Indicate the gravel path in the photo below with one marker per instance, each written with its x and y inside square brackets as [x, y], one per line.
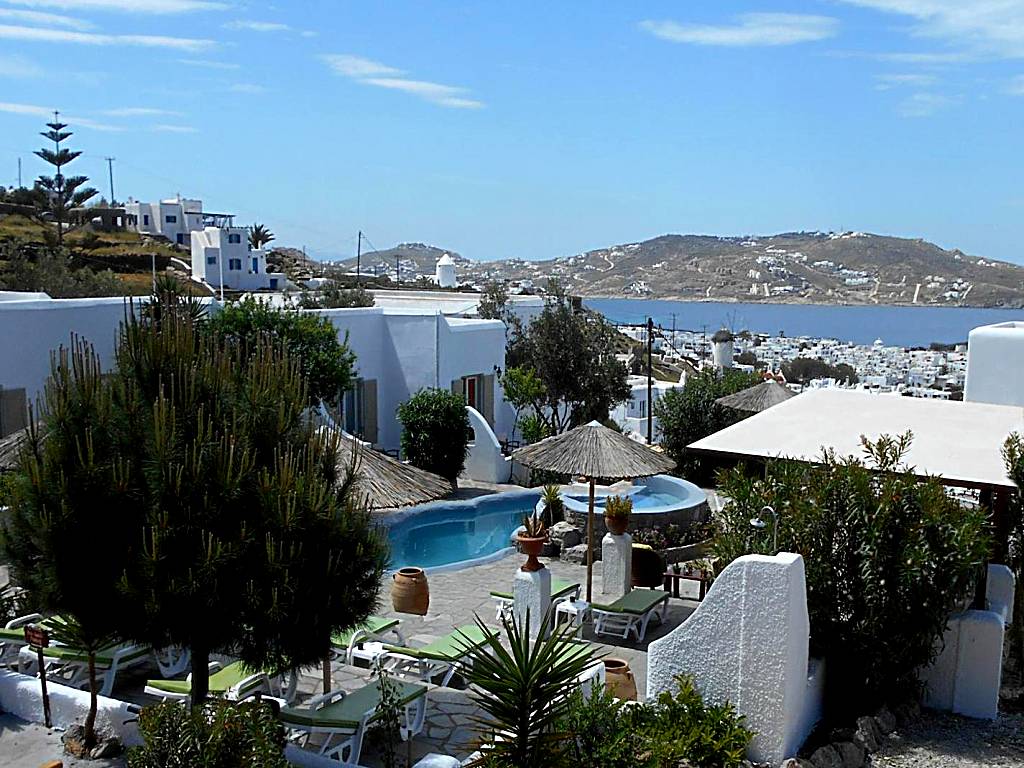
[942, 740]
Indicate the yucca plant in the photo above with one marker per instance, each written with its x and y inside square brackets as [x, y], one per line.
[534, 527]
[554, 507]
[524, 685]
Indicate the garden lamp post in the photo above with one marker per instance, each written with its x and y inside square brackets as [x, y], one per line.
[760, 524]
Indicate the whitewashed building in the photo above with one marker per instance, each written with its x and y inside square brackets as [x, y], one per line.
[175, 218]
[631, 415]
[995, 364]
[444, 272]
[221, 256]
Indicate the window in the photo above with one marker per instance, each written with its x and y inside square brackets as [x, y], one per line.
[470, 391]
[145, 219]
[235, 264]
[352, 407]
[169, 219]
[181, 239]
[234, 238]
[256, 266]
[211, 259]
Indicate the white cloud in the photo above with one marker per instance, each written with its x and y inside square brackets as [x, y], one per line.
[370, 72]
[168, 128]
[19, 67]
[138, 112]
[991, 27]
[209, 64]
[751, 29]
[257, 26]
[356, 66]
[913, 80]
[73, 121]
[924, 104]
[35, 34]
[133, 6]
[44, 19]
[251, 88]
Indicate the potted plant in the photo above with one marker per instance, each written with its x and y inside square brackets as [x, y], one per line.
[617, 510]
[531, 542]
[554, 507]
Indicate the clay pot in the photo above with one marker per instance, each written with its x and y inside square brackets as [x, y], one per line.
[410, 592]
[531, 547]
[616, 525]
[618, 679]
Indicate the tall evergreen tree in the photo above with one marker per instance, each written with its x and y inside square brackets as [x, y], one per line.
[70, 529]
[64, 192]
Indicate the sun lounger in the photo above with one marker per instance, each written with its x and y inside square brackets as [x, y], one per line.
[340, 719]
[560, 591]
[70, 666]
[235, 681]
[374, 628]
[630, 613]
[441, 657]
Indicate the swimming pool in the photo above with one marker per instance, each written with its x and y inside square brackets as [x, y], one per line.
[447, 533]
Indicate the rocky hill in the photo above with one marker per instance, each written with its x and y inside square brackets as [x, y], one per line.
[794, 267]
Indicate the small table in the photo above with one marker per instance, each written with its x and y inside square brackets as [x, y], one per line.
[575, 612]
[369, 652]
[672, 580]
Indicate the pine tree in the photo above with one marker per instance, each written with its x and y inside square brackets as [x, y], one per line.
[64, 192]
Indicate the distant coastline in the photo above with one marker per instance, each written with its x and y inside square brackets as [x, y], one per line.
[899, 325]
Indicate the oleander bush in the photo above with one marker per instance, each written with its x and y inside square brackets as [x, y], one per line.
[677, 729]
[218, 734]
[887, 557]
[436, 432]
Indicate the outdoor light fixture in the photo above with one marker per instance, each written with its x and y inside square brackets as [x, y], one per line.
[760, 524]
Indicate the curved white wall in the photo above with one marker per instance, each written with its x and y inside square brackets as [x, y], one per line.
[485, 461]
[995, 364]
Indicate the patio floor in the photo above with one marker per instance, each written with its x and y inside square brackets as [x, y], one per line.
[455, 598]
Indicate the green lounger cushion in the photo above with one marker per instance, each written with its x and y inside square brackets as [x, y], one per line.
[104, 658]
[220, 681]
[12, 635]
[636, 601]
[375, 625]
[451, 647]
[349, 711]
[559, 588]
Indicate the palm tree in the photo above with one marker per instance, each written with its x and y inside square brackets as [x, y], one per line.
[259, 236]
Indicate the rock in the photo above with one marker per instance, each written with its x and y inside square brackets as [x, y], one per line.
[551, 549]
[867, 734]
[106, 748]
[853, 755]
[565, 534]
[907, 712]
[796, 762]
[578, 554]
[826, 757]
[841, 734]
[885, 720]
[74, 741]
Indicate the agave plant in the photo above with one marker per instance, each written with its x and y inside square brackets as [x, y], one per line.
[554, 507]
[524, 685]
[534, 527]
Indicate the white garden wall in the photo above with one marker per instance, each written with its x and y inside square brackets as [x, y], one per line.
[747, 644]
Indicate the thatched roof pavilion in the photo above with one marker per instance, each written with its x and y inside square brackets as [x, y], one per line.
[757, 398]
[10, 446]
[385, 482]
[594, 451]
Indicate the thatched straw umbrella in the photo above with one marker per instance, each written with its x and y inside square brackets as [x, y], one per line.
[593, 451]
[387, 483]
[10, 448]
[757, 398]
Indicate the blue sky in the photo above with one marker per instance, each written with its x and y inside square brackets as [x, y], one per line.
[538, 129]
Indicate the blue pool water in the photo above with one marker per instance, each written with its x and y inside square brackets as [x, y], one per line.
[449, 532]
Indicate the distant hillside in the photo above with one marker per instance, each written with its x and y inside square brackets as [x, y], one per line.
[793, 267]
[414, 259]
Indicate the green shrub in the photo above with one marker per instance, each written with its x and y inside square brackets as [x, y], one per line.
[672, 535]
[618, 507]
[677, 729]
[435, 432]
[218, 734]
[887, 557]
[688, 414]
[533, 428]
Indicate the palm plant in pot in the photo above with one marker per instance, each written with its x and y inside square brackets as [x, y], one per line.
[554, 507]
[531, 542]
[617, 510]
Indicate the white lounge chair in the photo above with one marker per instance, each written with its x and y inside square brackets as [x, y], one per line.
[373, 629]
[630, 613]
[70, 666]
[336, 722]
[560, 592]
[234, 681]
[441, 657]
[12, 637]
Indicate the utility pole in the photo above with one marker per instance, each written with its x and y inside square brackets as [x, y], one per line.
[650, 402]
[359, 255]
[19, 173]
[110, 171]
[398, 269]
[704, 341]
